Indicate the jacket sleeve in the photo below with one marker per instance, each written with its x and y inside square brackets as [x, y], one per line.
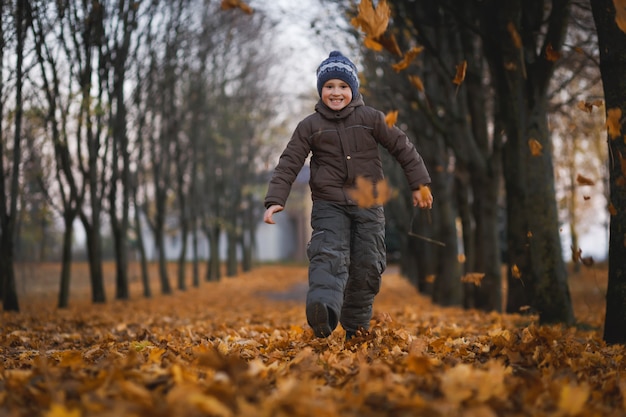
[289, 165]
[400, 147]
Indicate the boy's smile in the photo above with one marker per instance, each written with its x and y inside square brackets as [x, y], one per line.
[336, 94]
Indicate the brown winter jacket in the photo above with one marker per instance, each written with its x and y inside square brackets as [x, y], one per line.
[344, 146]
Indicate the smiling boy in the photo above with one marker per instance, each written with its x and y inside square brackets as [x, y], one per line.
[347, 247]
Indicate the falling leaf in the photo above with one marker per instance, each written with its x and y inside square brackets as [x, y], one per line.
[391, 118]
[461, 258]
[516, 272]
[390, 44]
[417, 82]
[581, 180]
[588, 106]
[372, 20]
[460, 73]
[409, 56]
[620, 14]
[535, 147]
[367, 194]
[551, 54]
[430, 278]
[613, 122]
[517, 39]
[612, 209]
[473, 278]
[586, 197]
[236, 4]
[372, 44]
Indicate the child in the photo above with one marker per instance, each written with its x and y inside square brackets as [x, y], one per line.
[347, 247]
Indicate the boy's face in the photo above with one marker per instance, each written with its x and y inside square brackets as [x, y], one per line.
[336, 94]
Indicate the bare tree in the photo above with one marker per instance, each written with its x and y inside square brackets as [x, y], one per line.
[70, 192]
[10, 166]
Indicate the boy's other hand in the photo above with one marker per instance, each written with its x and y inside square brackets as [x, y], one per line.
[423, 197]
[267, 217]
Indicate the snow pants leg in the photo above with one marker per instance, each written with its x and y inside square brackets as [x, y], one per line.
[346, 259]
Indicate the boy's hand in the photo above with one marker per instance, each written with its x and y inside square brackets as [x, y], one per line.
[423, 198]
[267, 217]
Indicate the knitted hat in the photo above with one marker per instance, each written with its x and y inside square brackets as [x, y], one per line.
[337, 66]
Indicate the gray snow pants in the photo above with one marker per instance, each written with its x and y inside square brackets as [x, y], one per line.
[346, 259]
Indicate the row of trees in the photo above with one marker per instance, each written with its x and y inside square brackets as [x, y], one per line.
[124, 113]
[489, 142]
[150, 110]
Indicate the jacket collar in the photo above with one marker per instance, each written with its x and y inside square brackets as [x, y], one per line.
[330, 114]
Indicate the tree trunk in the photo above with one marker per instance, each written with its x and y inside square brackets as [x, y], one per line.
[160, 246]
[612, 46]
[145, 277]
[537, 275]
[94, 254]
[8, 210]
[213, 271]
[66, 262]
[231, 257]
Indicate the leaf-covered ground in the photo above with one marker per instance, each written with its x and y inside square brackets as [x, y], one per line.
[241, 347]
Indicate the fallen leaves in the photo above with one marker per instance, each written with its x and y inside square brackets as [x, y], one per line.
[232, 349]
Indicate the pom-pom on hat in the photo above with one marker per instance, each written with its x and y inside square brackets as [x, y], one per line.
[337, 66]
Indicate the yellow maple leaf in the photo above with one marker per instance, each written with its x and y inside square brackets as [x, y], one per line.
[372, 20]
[620, 14]
[613, 122]
[372, 44]
[367, 194]
[59, 410]
[391, 118]
[409, 56]
[535, 147]
[460, 73]
[573, 398]
[236, 4]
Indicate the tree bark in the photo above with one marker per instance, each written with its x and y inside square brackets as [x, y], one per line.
[8, 210]
[537, 275]
[612, 46]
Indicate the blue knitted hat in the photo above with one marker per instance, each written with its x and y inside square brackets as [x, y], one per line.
[337, 66]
